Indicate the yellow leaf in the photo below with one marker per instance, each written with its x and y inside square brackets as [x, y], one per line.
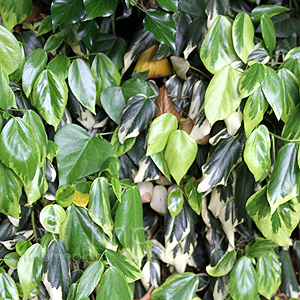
[81, 199]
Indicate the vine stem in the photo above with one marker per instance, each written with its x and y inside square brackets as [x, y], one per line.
[274, 150]
[284, 139]
[33, 226]
[200, 72]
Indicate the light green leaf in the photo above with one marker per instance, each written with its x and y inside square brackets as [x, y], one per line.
[195, 200]
[89, 279]
[59, 65]
[243, 284]
[30, 267]
[180, 153]
[52, 150]
[283, 184]
[113, 286]
[7, 97]
[269, 10]
[11, 259]
[105, 73]
[277, 226]
[113, 102]
[51, 217]
[160, 161]
[177, 287]
[217, 49]
[56, 271]
[291, 128]
[254, 110]
[65, 195]
[222, 97]
[127, 267]
[224, 265]
[90, 241]
[268, 274]
[10, 51]
[34, 65]
[121, 148]
[175, 202]
[99, 205]
[243, 35]
[77, 156]
[273, 91]
[9, 288]
[257, 152]
[54, 41]
[162, 25]
[96, 8]
[22, 246]
[19, 149]
[17, 74]
[251, 79]
[82, 84]
[45, 26]
[129, 223]
[268, 33]
[159, 132]
[50, 96]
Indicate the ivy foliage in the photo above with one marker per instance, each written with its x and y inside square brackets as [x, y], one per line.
[149, 149]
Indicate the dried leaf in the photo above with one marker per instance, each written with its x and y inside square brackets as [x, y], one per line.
[188, 125]
[204, 140]
[81, 199]
[165, 105]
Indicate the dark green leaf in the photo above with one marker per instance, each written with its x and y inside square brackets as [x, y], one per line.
[45, 26]
[175, 202]
[169, 5]
[260, 247]
[54, 41]
[162, 25]
[51, 217]
[136, 117]
[224, 265]
[222, 96]
[77, 146]
[88, 31]
[217, 49]
[30, 267]
[66, 11]
[130, 270]
[268, 274]
[268, 33]
[269, 10]
[113, 286]
[50, 96]
[243, 283]
[34, 65]
[129, 222]
[82, 84]
[134, 86]
[291, 129]
[193, 7]
[90, 240]
[59, 65]
[9, 288]
[177, 287]
[56, 271]
[119, 148]
[89, 279]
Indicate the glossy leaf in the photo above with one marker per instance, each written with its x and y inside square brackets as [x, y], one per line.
[119, 148]
[105, 73]
[260, 247]
[51, 217]
[9, 288]
[59, 65]
[127, 267]
[195, 200]
[7, 97]
[251, 79]
[269, 10]
[17, 74]
[257, 151]
[22, 246]
[54, 41]
[113, 286]
[268, 33]
[160, 161]
[66, 11]
[99, 205]
[162, 25]
[177, 287]
[273, 91]
[50, 97]
[56, 271]
[34, 65]
[136, 116]
[19, 149]
[284, 181]
[30, 267]
[89, 279]
[180, 153]
[103, 8]
[113, 102]
[277, 226]
[243, 35]
[159, 132]
[65, 195]
[224, 265]
[11, 259]
[169, 5]
[82, 84]
[243, 281]
[76, 145]
[90, 240]
[45, 26]
[175, 202]
[217, 49]
[129, 222]
[268, 274]
[10, 51]
[222, 97]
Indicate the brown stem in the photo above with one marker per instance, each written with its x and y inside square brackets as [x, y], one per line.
[181, 110]
[147, 296]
